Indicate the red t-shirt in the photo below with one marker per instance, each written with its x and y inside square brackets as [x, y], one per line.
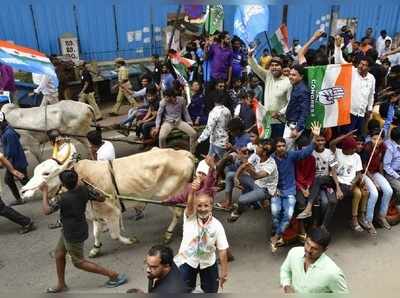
[377, 158]
[305, 172]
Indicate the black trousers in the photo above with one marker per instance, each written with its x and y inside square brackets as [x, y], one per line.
[10, 182]
[13, 215]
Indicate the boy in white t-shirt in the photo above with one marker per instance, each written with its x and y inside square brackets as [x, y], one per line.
[203, 237]
[258, 178]
[325, 183]
[349, 174]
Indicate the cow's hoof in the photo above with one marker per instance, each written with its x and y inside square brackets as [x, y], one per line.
[94, 252]
[167, 237]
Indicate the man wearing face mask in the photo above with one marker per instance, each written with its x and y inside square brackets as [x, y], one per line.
[14, 152]
[203, 236]
[309, 270]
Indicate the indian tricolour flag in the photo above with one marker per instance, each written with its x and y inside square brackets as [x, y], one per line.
[180, 65]
[263, 120]
[330, 88]
[280, 40]
[26, 59]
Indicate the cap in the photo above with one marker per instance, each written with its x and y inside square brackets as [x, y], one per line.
[277, 60]
[119, 60]
[2, 117]
[202, 167]
[349, 143]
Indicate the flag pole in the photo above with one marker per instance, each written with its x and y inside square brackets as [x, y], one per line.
[208, 19]
[173, 33]
[372, 154]
[269, 44]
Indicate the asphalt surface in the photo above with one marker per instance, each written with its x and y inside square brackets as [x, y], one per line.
[26, 265]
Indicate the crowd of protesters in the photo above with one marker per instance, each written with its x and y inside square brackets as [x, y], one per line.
[301, 173]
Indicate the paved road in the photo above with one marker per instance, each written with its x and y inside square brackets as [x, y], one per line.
[369, 263]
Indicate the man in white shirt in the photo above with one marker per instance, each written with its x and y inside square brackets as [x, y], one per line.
[380, 42]
[203, 237]
[393, 56]
[277, 89]
[258, 178]
[49, 90]
[100, 150]
[217, 129]
[362, 90]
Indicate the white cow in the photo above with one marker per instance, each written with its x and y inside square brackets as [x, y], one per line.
[68, 116]
[155, 174]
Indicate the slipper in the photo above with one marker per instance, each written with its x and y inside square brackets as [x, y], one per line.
[357, 228]
[280, 242]
[302, 237]
[274, 248]
[55, 225]
[56, 290]
[224, 206]
[234, 216]
[304, 215]
[28, 228]
[120, 280]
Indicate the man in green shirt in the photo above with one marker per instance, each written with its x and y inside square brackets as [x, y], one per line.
[310, 270]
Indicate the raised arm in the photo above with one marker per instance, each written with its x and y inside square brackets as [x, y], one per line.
[255, 67]
[338, 51]
[302, 53]
[190, 207]
[334, 142]
[395, 51]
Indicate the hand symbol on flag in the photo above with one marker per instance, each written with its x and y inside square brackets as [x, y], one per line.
[329, 96]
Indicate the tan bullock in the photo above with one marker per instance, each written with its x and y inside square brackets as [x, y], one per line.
[155, 174]
[67, 116]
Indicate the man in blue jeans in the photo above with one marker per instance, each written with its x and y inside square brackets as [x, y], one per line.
[282, 205]
[258, 180]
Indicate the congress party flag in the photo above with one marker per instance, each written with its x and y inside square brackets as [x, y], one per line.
[330, 88]
[280, 40]
[263, 120]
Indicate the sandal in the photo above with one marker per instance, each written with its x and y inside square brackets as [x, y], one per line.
[55, 225]
[371, 229]
[382, 221]
[280, 242]
[120, 280]
[224, 205]
[56, 290]
[26, 229]
[234, 216]
[302, 237]
[357, 228]
[305, 214]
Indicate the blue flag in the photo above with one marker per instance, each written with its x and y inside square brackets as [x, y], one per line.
[250, 20]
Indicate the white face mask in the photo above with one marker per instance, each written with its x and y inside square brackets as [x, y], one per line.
[204, 216]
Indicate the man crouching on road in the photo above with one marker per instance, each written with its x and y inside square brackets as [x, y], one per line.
[72, 205]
